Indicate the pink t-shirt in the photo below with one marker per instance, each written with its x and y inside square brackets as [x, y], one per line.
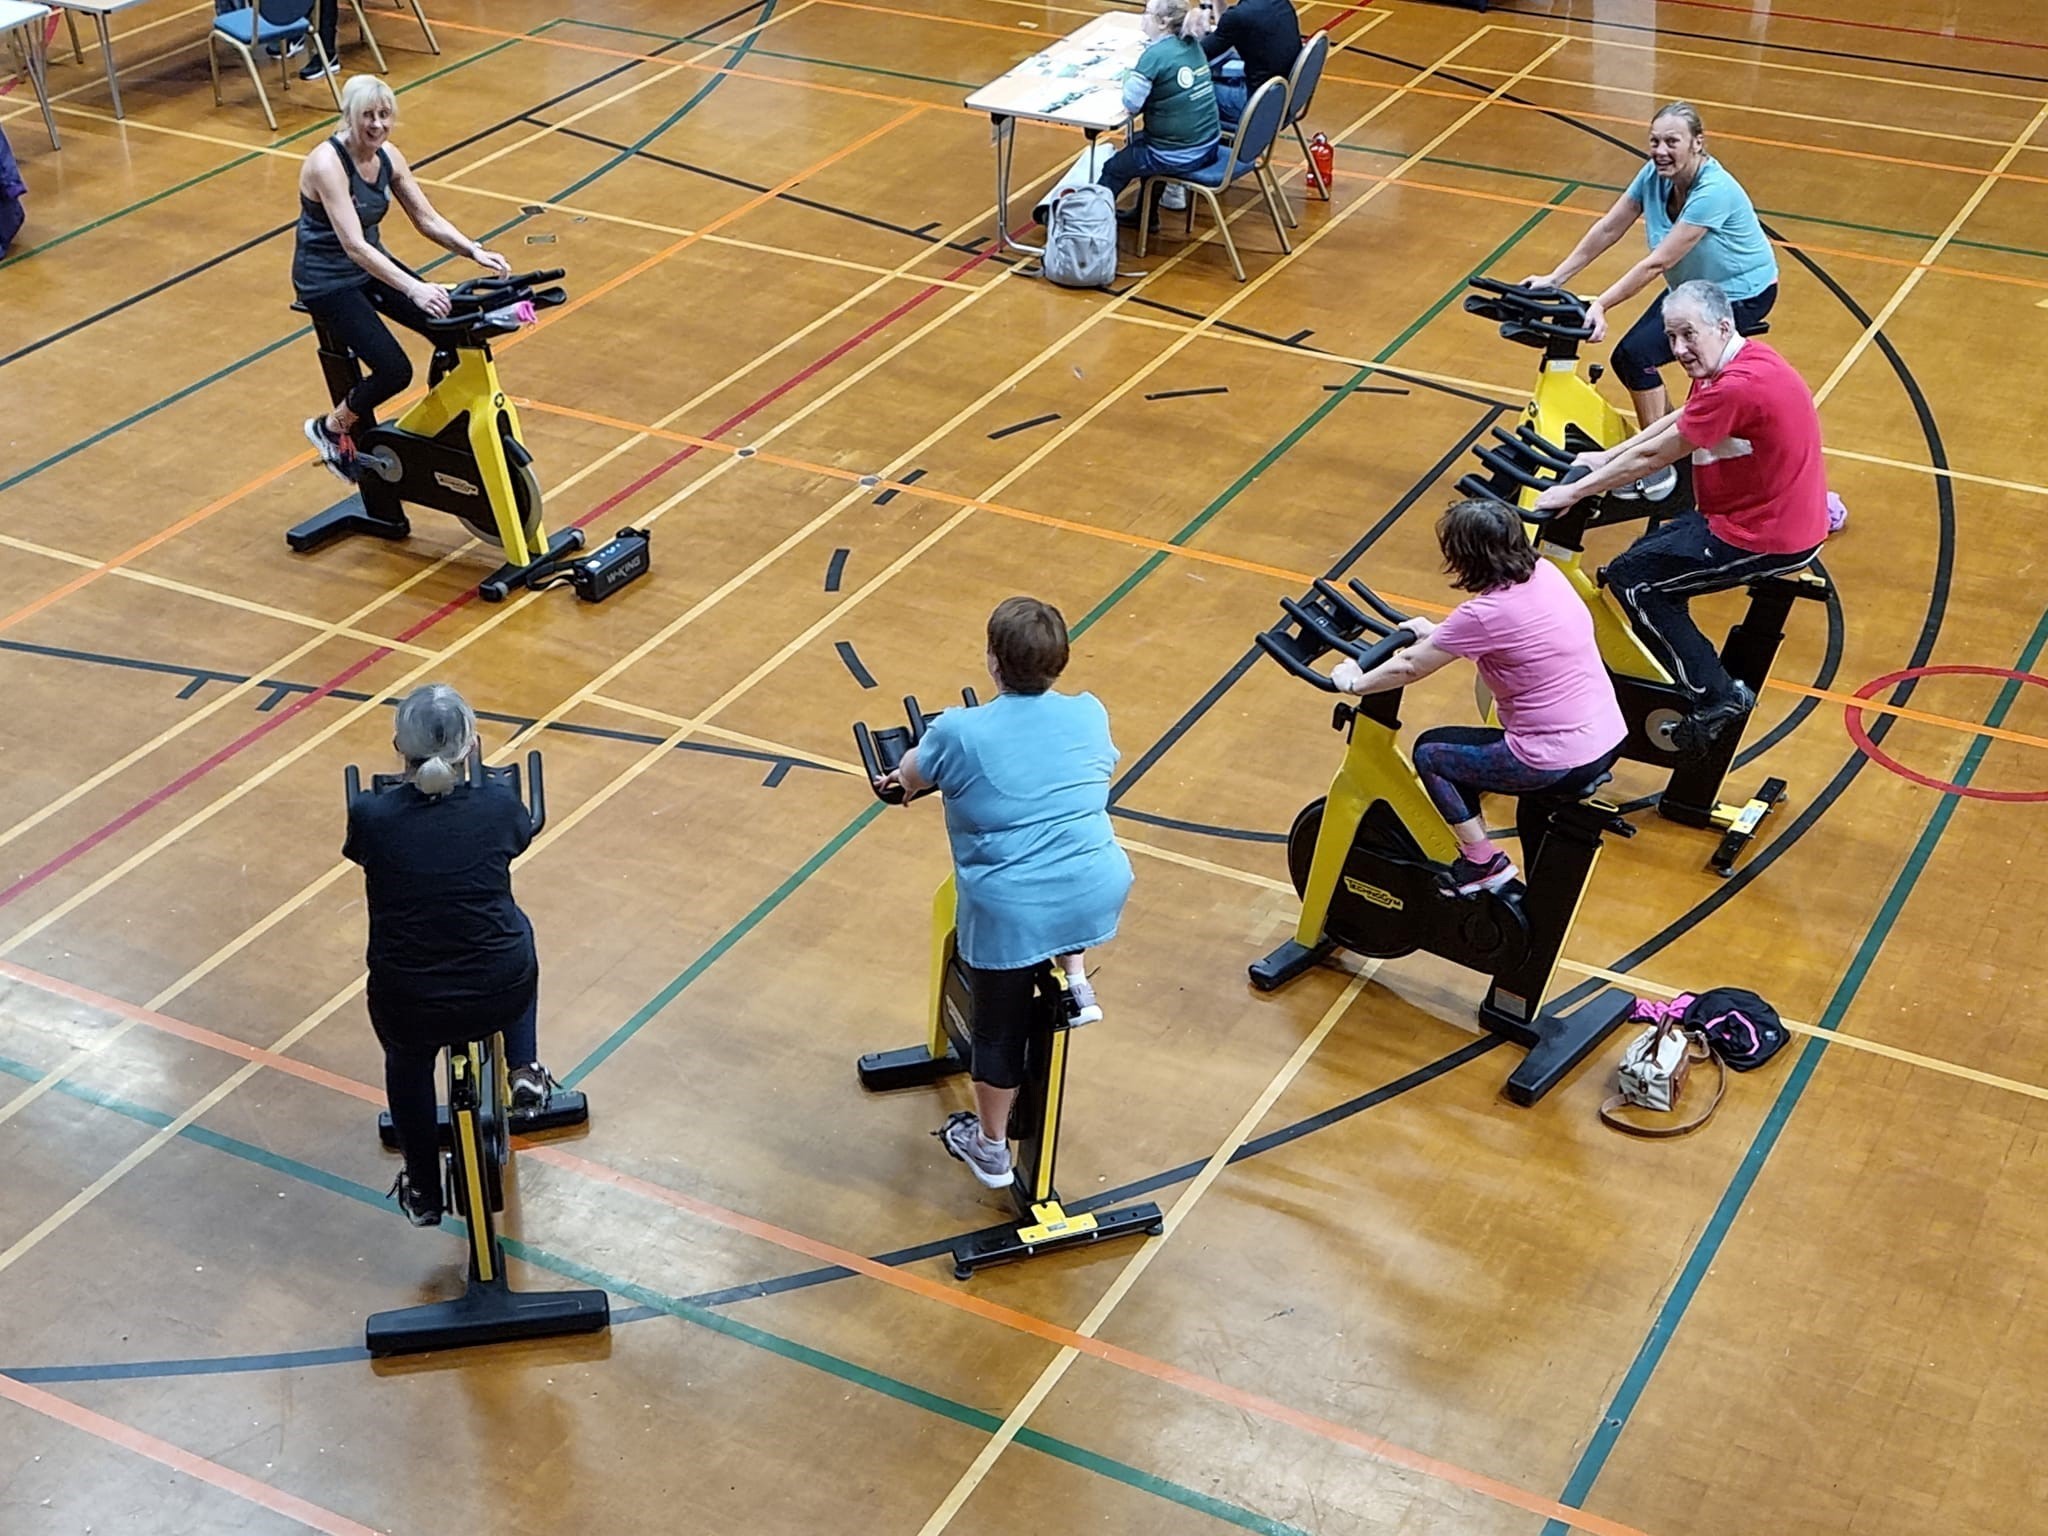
[1534, 647]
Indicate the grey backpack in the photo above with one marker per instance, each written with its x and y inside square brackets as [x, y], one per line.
[1080, 238]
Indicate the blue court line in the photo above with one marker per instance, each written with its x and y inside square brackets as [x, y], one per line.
[648, 1303]
[8, 484]
[1615, 1420]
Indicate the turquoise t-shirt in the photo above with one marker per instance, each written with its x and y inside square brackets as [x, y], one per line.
[1733, 252]
[1026, 783]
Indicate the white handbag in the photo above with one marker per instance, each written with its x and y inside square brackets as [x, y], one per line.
[1652, 1075]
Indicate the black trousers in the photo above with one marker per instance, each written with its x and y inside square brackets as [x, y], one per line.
[413, 1039]
[351, 317]
[1655, 577]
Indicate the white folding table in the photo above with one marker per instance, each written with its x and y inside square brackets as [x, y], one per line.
[1077, 82]
[22, 21]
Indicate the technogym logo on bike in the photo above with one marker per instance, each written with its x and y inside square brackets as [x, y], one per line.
[460, 487]
[1373, 894]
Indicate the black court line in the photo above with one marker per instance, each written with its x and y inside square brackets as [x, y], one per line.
[250, 244]
[1365, 389]
[198, 678]
[836, 569]
[852, 659]
[973, 248]
[1024, 426]
[910, 477]
[1183, 394]
[1200, 828]
[1297, 338]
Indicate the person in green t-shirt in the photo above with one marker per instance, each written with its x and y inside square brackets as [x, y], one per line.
[1170, 85]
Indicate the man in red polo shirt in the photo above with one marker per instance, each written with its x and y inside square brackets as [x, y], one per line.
[1758, 482]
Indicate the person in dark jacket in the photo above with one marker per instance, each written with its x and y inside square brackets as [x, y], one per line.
[1265, 36]
[450, 955]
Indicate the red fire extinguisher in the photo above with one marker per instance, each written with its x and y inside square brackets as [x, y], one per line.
[1323, 157]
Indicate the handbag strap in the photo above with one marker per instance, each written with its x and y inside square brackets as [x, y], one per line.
[1665, 1132]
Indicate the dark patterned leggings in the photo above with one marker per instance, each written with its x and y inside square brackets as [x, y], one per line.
[1457, 762]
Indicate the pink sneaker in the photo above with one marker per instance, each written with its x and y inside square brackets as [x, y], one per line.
[1838, 513]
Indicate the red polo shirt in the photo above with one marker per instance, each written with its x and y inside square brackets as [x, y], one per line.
[1757, 471]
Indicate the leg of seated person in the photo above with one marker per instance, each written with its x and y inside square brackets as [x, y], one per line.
[409, 1090]
[1231, 97]
[1457, 764]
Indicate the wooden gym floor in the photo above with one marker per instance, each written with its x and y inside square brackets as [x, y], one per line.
[1387, 1300]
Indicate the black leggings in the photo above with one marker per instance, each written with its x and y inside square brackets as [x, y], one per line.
[1645, 349]
[1003, 1001]
[349, 317]
[413, 1041]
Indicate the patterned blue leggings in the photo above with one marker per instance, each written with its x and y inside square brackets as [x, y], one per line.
[1458, 761]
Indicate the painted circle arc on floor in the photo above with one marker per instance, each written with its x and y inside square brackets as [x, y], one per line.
[1853, 718]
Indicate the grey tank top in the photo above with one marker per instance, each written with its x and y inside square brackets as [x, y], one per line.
[319, 264]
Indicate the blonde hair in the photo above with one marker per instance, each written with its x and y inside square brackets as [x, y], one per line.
[363, 92]
[1193, 22]
[434, 733]
[1685, 112]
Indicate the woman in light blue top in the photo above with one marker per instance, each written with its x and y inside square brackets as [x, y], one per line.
[1036, 869]
[1701, 224]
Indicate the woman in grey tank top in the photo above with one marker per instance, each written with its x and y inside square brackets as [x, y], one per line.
[343, 275]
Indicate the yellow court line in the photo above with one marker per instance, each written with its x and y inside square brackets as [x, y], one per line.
[708, 393]
[1912, 280]
[574, 210]
[276, 765]
[1663, 50]
[1134, 1269]
[668, 72]
[737, 738]
[1642, 986]
[207, 594]
[563, 825]
[1606, 88]
[205, 712]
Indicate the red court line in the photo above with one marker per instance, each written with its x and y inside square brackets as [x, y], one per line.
[129, 1438]
[198, 771]
[1868, 26]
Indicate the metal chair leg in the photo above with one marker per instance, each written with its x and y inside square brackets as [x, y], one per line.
[77, 53]
[1286, 207]
[1314, 175]
[370, 40]
[1274, 204]
[1223, 229]
[213, 64]
[255, 74]
[333, 84]
[433, 44]
[1145, 189]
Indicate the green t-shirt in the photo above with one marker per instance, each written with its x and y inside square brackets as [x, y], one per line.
[1181, 111]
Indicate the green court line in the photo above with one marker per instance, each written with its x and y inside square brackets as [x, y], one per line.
[220, 170]
[1699, 1263]
[725, 941]
[1769, 213]
[303, 331]
[1273, 455]
[700, 1316]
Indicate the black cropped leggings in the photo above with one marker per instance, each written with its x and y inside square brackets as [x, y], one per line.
[413, 1042]
[351, 318]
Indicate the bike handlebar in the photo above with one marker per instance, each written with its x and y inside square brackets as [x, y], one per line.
[1326, 620]
[534, 798]
[882, 751]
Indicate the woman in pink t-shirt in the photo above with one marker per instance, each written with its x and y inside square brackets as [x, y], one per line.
[1532, 640]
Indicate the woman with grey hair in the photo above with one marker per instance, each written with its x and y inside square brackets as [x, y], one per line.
[450, 955]
[341, 271]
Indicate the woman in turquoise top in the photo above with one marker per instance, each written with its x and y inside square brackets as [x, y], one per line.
[1036, 868]
[1701, 224]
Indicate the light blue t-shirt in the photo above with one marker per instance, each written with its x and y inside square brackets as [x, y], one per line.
[1733, 252]
[1035, 864]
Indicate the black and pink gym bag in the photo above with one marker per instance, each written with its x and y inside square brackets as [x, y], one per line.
[1742, 1028]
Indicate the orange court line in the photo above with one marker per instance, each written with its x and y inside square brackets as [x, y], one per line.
[129, 1438]
[714, 69]
[794, 1242]
[914, 488]
[1637, 122]
[1207, 557]
[134, 552]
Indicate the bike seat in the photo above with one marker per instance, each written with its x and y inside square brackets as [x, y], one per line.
[1754, 328]
[299, 307]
